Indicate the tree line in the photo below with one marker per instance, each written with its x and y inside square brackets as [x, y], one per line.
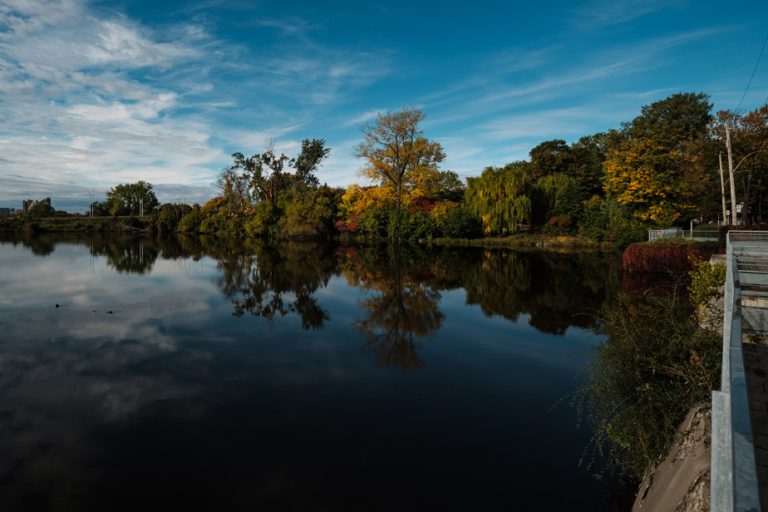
[660, 169]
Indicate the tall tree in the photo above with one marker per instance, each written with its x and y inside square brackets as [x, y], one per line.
[267, 175]
[500, 198]
[587, 157]
[234, 190]
[550, 157]
[651, 169]
[749, 144]
[131, 199]
[397, 153]
[313, 152]
[264, 172]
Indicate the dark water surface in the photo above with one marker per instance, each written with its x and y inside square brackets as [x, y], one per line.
[197, 374]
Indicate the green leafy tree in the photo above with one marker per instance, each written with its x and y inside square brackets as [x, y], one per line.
[267, 173]
[311, 214]
[500, 198]
[169, 216]
[264, 173]
[191, 221]
[128, 199]
[40, 210]
[558, 196]
[313, 152]
[587, 157]
[550, 157]
[99, 209]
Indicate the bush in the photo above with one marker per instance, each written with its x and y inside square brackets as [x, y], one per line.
[169, 216]
[374, 221]
[595, 220]
[664, 257]
[656, 365]
[310, 215]
[190, 223]
[452, 220]
[560, 225]
[262, 222]
[707, 282]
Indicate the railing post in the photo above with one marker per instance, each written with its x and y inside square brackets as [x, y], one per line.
[733, 473]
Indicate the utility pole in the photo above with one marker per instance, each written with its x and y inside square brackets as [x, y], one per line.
[734, 216]
[722, 188]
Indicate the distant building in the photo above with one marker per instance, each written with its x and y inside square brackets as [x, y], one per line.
[29, 203]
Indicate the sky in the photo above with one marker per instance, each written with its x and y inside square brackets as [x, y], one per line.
[93, 94]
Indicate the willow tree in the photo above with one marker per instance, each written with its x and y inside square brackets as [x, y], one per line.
[397, 153]
[499, 197]
[557, 195]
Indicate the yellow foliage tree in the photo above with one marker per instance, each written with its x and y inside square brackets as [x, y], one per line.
[397, 154]
[647, 178]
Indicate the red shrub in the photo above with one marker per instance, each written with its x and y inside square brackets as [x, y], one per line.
[659, 257]
[350, 226]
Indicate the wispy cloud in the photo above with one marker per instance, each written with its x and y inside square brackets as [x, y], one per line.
[90, 98]
[288, 26]
[364, 117]
[495, 93]
[603, 13]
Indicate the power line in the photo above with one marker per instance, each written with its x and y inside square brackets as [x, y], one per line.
[749, 84]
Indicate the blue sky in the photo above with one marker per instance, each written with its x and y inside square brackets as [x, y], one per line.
[98, 93]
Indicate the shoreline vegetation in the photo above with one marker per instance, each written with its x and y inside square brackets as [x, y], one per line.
[605, 190]
[148, 225]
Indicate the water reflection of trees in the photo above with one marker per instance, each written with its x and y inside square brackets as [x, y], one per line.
[404, 305]
[556, 290]
[657, 364]
[273, 280]
[38, 244]
[276, 280]
[128, 255]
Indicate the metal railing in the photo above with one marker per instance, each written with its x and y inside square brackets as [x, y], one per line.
[693, 234]
[734, 472]
[653, 234]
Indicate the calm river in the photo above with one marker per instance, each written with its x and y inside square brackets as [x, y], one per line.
[195, 374]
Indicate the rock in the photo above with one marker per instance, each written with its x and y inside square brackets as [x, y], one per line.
[680, 482]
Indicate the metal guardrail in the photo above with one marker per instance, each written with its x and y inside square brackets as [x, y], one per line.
[653, 234]
[694, 234]
[734, 472]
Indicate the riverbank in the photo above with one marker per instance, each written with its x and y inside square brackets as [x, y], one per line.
[527, 241]
[78, 224]
[681, 481]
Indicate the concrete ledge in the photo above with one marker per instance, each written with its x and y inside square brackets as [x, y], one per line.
[721, 492]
